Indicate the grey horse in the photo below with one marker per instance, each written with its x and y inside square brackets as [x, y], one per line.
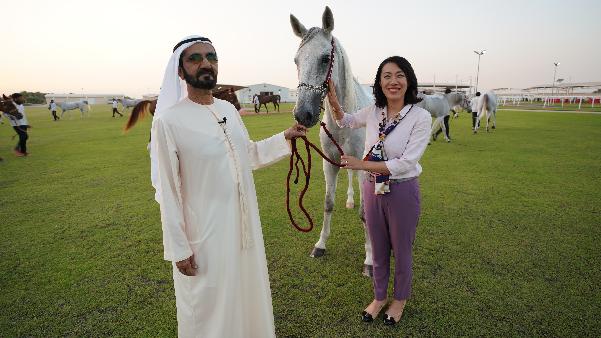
[83, 107]
[487, 105]
[126, 103]
[313, 61]
[440, 107]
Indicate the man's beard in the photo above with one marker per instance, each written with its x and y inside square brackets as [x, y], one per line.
[204, 79]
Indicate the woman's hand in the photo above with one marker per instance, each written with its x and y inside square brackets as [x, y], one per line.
[350, 162]
[333, 100]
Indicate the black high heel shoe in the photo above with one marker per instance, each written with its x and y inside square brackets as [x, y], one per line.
[367, 317]
[389, 320]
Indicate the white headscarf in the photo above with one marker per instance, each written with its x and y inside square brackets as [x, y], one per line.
[173, 90]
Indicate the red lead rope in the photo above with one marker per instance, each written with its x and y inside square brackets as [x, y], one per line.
[307, 172]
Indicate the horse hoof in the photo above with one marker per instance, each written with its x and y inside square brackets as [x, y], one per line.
[368, 270]
[493, 127]
[318, 252]
[350, 205]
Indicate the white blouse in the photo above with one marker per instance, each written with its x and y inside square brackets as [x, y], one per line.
[404, 146]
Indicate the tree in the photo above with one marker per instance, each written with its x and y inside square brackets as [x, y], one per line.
[34, 97]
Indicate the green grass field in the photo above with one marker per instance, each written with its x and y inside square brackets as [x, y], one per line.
[508, 243]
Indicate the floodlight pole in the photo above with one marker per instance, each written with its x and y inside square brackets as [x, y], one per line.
[554, 73]
[480, 53]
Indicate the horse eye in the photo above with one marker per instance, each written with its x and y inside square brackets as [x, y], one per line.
[325, 59]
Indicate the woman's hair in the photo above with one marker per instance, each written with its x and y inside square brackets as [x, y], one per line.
[410, 94]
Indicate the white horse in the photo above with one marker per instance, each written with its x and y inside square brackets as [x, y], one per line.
[83, 107]
[457, 100]
[439, 108]
[126, 103]
[313, 61]
[487, 105]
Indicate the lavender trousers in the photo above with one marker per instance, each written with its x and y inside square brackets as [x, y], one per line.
[391, 221]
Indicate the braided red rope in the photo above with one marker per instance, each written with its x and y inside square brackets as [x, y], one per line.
[307, 172]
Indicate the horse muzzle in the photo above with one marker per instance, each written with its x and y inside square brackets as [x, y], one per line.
[308, 108]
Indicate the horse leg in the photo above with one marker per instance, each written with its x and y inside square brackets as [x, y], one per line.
[350, 192]
[435, 127]
[368, 265]
[330, 174]
[478, 122]
[494, 119]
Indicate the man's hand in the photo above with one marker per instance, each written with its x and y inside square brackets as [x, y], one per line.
[297, 130]
[187, 266]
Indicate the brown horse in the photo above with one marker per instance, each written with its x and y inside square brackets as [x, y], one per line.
[146, 107]
[265, 99]
[229, 96]
[8, 107]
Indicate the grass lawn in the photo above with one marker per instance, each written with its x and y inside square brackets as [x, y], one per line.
[508, 243]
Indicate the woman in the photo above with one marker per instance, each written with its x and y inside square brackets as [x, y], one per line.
[397, 133]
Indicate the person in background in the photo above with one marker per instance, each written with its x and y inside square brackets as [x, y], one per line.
[115, 105]
[474, 109]
[20, 125]
[52, 108]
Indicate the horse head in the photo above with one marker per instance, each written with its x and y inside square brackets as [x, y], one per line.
[314, 62]
[8, 106]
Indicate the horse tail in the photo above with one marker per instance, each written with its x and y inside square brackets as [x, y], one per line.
[138, 113]
[485, 104]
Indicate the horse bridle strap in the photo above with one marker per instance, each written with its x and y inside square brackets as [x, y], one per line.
[323, 88]
[307, 172]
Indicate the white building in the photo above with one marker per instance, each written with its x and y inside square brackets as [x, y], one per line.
[91, 98]
[246, 95]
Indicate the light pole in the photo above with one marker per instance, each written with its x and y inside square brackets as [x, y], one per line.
[480, 53]
[554, 73]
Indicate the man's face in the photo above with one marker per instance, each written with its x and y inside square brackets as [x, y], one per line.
[199, 63]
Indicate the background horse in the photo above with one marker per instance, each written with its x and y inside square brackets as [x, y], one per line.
[487, 105]
[8, 107]
[228, 95]
[265, 99]
[145, 107]
[457, 100]
[83, 107]
[126, 103]
[439, 109]
[313, 61]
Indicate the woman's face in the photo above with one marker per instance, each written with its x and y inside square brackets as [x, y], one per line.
[393, 82]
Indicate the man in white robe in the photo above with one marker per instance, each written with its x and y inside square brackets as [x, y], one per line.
[202, 166]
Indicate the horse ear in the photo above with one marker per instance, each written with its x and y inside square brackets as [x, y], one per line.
[4, 97]
[297, 27]
[327, 20]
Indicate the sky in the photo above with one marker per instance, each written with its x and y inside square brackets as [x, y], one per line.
[95, 47]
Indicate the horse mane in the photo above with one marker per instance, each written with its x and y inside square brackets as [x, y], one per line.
[138, 113]
[351, 96]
